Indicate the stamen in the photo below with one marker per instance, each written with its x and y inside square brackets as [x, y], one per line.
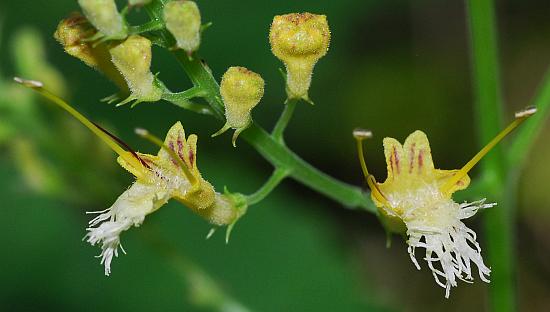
[153, 139]
[520, 116]
[119, 141]
[360, 135]
[101, 133]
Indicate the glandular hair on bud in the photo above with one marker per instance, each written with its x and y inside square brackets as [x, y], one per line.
[299, 40]
[183, 21]
[71, 34]
[103, 14]
[133, 59]
[241, 90]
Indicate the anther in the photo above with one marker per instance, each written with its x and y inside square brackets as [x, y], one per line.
[362, 134]
[29, 83]
[527, 112]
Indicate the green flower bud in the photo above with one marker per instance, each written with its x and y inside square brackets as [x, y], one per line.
[241, 90]
[103, 14]
[299, 40]
[183, 20]
[133, 59]
[71, 34]
[227, 209]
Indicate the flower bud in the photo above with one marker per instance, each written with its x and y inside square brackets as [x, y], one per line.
[226, 209]
[71, 34]
[103, 14]
[183, 20]
[241, 90]
[299, 40]
[133, 59]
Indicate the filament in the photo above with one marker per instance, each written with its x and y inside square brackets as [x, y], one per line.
[106, 137]
[360, 135]
[520, 117]
[155, 140]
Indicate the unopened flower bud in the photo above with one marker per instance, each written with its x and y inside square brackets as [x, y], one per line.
[241, 90]
[133, 59]
[103, 14]
[299, 40]
[226, 209]
[71, 34]
[183, 20]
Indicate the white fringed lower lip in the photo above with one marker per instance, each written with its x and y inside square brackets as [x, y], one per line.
[450, 250]
[108, 234]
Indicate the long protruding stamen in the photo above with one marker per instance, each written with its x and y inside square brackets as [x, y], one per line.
[153, 139]
[38, 86]
[520, 118]
[124, 144]
[360, 135]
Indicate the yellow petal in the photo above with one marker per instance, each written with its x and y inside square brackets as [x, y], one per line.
[414, 158]
[410, 166]
[150, 160]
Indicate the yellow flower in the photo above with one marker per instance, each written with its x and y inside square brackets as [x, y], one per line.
[171, 173]
[417, 199]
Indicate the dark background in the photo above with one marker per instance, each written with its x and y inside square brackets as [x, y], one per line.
[393, 66]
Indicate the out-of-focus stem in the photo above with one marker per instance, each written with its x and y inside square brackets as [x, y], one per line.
[499, 222]
[527, 134]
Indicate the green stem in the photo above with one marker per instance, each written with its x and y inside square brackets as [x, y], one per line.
[527, 134]
[500, 239]
[275, 179]
[149, 26]
[281, 157]
[283, 121]
[273, 151]
[183, 99]
[202, 78]
[486, 73]
[499, 222]
[187, 94]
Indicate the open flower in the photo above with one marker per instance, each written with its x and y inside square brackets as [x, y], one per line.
[417, 199]
[172, 173]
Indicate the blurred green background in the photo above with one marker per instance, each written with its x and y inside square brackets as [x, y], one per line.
[393, 66]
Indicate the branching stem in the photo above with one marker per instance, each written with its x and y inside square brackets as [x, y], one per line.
[280, 156]
[274, 180]
[284, 119]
